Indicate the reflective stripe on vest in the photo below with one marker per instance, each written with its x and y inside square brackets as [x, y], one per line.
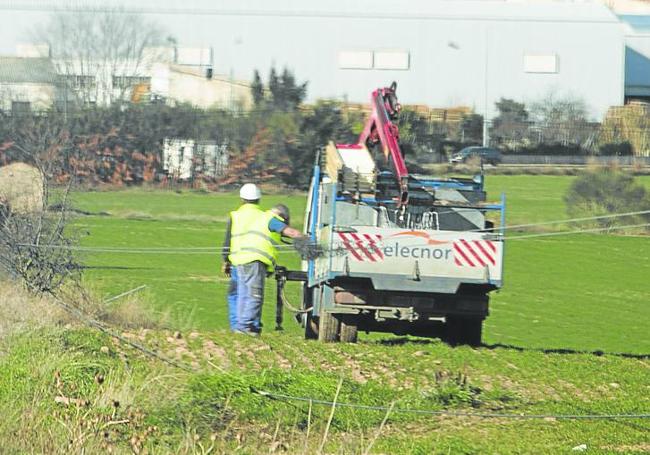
[251, 240]
[270, 238]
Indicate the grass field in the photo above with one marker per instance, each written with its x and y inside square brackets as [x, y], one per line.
[568, 335]
[580, 292]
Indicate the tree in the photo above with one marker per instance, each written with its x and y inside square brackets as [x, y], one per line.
[36, 244]
[286, 94]
[471, 129]
[510, 127]
[562, 120]
[626, 130]
[102, 55]
[420, 136]
[608, 191]
[257, 89]
[324, 123]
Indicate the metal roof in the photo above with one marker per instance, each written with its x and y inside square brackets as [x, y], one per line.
[493, 10]
[27, 70]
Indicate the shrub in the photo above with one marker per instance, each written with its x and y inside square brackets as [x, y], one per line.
[606, 191]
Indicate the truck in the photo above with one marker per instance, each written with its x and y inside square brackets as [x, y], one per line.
[402, 253]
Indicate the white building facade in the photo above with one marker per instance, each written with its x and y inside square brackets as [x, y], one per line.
[442, 53]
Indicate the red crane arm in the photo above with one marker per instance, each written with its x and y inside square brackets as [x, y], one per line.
[380, 128]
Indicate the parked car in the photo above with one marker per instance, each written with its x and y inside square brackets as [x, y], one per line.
[486, 154]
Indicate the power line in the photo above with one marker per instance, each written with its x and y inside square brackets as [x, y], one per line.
[577, 220]
[483, 415]
[580, 231]
[284, 248]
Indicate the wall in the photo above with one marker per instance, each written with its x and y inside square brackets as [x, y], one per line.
[637, 68]
[453, 61]
[41, 96]
[196, 89]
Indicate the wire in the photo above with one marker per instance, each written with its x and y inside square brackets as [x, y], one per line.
[142, 250]
[581, 231]
[124, 294]
[576, 220]
[88, 320]
[489, 415]
[288, 304]
[285, 248]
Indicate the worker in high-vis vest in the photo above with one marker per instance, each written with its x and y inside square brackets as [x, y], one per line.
[279, 210]
[254, 235]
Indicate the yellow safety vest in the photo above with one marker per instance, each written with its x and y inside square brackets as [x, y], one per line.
[250, 237]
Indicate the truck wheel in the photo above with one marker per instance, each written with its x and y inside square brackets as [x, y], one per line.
[463, 330]
[328, 327]
[348, 330]
[311, 327]
[308, 322]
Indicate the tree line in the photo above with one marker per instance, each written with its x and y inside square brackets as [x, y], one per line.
[277, 140]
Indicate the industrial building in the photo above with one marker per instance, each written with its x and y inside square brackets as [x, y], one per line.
[442, 53]
[637, 57]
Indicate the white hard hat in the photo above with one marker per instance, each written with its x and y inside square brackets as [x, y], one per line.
[250, 192]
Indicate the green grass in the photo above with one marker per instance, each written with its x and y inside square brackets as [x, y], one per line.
[218, 400]
[580, 292]
[568, 334]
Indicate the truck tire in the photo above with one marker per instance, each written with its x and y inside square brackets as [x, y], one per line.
[348, 330]
[463, 330]
[328, 327]
[310, 325]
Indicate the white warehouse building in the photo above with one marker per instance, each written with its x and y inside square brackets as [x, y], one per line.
[442, 53]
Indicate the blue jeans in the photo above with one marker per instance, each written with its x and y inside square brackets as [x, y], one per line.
[250, 296]
[232, 299]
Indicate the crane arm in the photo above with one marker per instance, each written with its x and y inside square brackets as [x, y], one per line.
[379, 128]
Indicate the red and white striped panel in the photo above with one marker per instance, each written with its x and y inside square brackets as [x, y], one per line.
[475, 253]
[362, 247]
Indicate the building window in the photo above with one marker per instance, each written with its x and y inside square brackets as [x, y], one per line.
[541, 63]
[20, 107]
[130, 81]
[77, 81]
[379, 60]
[355, 60]
[391, 60]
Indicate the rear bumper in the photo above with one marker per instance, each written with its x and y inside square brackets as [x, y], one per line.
[409, 307]
[423, 284]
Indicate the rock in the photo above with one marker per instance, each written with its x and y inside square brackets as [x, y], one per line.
[580, 448]
[104, 350]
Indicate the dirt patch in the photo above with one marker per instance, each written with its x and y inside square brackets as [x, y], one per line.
[631, 448]
[215, 354]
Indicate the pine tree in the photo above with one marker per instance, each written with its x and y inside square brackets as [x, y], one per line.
[257, 89]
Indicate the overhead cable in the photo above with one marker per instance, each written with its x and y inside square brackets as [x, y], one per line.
[484, 415]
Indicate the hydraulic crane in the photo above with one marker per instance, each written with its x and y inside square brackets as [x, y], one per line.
[380, 129]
